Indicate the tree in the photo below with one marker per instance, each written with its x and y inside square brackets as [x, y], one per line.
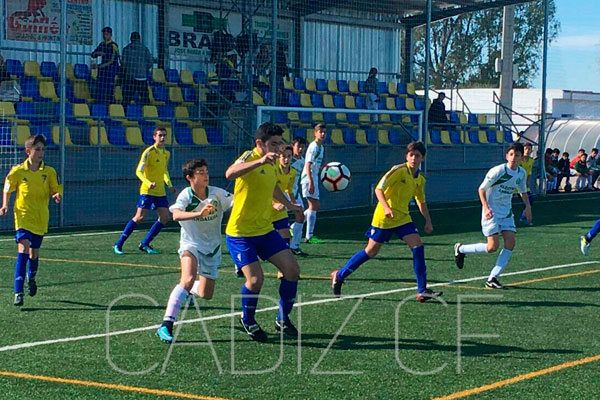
[464, 48]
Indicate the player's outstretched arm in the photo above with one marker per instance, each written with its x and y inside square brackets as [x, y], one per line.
[280, 197]
[425, 213]
[383, 202]
[180, 215]
[238, 169]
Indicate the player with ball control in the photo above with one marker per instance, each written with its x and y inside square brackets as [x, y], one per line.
[394, 192]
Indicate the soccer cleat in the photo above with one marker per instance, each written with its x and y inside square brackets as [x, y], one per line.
[459, 258]
[336, 284]
[313, 240]
[286, 327]
[298, 252]
[117, 250]
[148, 249]
[18, 300]
[32, 287]
[428, 294]
[164, 334]
[493, 284]
[254, 331]
[585, 246]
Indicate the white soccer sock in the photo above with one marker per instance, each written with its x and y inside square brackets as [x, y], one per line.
[311, 219]
[176, 300]
[297, 234]
[194, 290]
[473, 248]
[501, 262]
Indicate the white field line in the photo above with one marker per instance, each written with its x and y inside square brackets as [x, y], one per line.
[306, 303]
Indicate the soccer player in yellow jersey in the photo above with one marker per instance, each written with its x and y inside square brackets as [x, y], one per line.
[394, 192]
[250, 233]
[153, 171]
[527, 165]
[285, 181]
[35, 183]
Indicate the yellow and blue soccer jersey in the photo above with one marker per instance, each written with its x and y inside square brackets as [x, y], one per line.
[34, 189]
[153, 167]
[286, 184]
[399, 186]
[527, 164]
[253, 195]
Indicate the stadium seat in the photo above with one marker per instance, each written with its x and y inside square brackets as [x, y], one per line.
[286, 135]
[392, 89]
[200, 78]
[56, 136]
[31, 69]
[115, 135]
[332, 86]
[190, 96]
[183, 135]
[317, 117]
[361, 137]
[482, 136]
[445, 136]
[339, 101]
[336, 136]
[294, 99]
[158, 76]
[150, 113]
[166, 112]
[82, 113]
[306, 117]
[293, 117]
[49, 71]
[410, 104]
[349, 102]
[26, 112]
[329, 118]
[183, 116]
[310, 135]
[82, 92]
[172, 77]
[395, 137]
[310, 86]
[371, 136]
[353, 87]
[364, 119]
[390, 103]
[175, 96]
[305, 100]
[400, 103]
[410, 89]
[508, 137]
[117, 113]
[435, 137]
[491, 136]
[361, 102]
[340, 117]
[8, 112]
[361, 87]
[472, 137]
[352, 119]
[280, 117]
[98, 136]
[317, 100]
[133, 112]
[300, 132]
[299, 84]
[456, 137]
[472, 119]
[199, 137]
[401, 88]
[99, 111]
[499, 135]
[321, 85]
[158, 95]
[481, 120]
[419, 104]
[30, 90]
[45, 130]
[342, 86]
[328, 101]
[118, 94]
[23, 133]
[186, 78]
[288, 84]
[214, 136]
[382, 89]
[257, 99]
[133, 136]
[383, 137]
[349, 136]
[384, 119]
[14, 68]
[82, 71]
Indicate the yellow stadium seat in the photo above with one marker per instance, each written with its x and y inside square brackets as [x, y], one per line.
[257, 99]
[353, 86]
[465, 136]
[482, 136]
[305, 100]
[187, 77]
[364, 118]
[153, 101]
[310, 135]
[410, 88]
[170, 138]
[23, 133]
[182, 115]
[151, 114]
[7, 111]
[47, 90]
[332, 86]
[69, 72]
[82, 113]
[328, 101]
[199, 137]
[410, 104]
[286, 135]
[445, 135]
[56, 135]
[384, 119]
[81, 91]
[349, 101]
[481, 119]
[310, 85]
[463, 119]
[158, 76]
[32, 69]
[499, 136]
[317, 117]
[392, 88]
[293, 116]
[288, 83]
[96, 134]
[341, 117]
[118, 94]
[176, 96]
[117, 113]
[361, 137]
[390, 103]
[406, 119]
[383, 137]
[337, 137]
[133, 136]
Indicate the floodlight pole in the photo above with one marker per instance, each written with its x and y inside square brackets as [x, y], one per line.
[63, 97]
[542, 128]
[425, 129]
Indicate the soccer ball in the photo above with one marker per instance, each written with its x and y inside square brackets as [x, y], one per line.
[335, 176]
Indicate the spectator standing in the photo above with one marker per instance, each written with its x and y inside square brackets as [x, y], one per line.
[136, 62]
[372, 92]
[592, 163]
[108, 68]
[4, 75]
[437, 110]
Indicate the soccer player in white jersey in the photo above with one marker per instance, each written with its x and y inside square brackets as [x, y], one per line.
[199, 210]
[298, 146]
[495, 193]
[310, 181]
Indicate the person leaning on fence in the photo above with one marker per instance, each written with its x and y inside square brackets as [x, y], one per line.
[372, 92]
[135, 63]
[108, 68]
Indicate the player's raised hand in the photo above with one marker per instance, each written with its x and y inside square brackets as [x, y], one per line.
[57, 197]
[3, 210]
[428, 227]
[487, 213]
[269, 158]
[152, 185]
[173, 190]
[207, 209]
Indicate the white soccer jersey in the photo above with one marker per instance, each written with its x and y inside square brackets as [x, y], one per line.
[205, 232]
[298, 166]
[499, 184]
[314, 155]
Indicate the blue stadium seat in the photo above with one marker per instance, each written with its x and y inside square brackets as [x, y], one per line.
[29, 88]
[382, 87]
[394, 136]
[400, 103]
[321, 85]
[329, 118]
[371, 136]
[306, 117]
[166, 112]
[508, 137]
[160, 93]
[352, 118]
[414, 119]
[401, 88]
[115, 134]
[133, 112]
[214, 135]
[281, 117]
[317, 100]
[294, 100]
[491, 136]
[343, 86]
[361, 102]
[81, 71]
[172, 75]
[349, 136]
[14, 67]
[183, 135]
[300, 132]
[473, 119]
[454, 118]
[455, 137]
[361, 86]
[99, 111]
[5, 133]
[299, 84]
[339, 101]
[45, 130]
[148, 132]
[381, 104]
[200, 77]
[26, 110]
[419, 103]
[190, 94]
[49, 69]
[435, 136]
[473, 136]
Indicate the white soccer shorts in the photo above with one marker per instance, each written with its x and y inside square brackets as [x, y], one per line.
[497, 225]
[207, 266]
[305, 193]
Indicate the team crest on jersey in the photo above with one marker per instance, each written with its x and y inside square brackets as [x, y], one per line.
[44, 177]
[24, 179]
[262, 171]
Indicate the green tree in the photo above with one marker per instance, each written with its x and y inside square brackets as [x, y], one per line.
[464, 48]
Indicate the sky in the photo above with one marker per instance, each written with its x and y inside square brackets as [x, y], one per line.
[574, 58]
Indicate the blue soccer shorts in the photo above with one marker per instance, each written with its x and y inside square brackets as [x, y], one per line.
[381, 235]
[283, 223]
[149, 202]
[245, 250]
[35, 241]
